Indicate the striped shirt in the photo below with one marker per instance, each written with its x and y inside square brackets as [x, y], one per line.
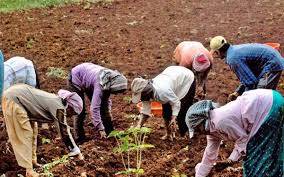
[19, 70]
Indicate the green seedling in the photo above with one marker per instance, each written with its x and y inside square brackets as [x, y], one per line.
[57, 73]
[127, 99]
[130, 141]
[30, 43]
[45, 141]
[47, 167]
[131, 116]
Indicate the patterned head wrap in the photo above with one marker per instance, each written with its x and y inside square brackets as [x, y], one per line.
[198, 113]
[112, 80]
[72, 99]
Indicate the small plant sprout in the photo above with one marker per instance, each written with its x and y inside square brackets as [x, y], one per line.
[132, 141]
[127, 99]
[47, 167]
[45, 140]
[131, 116]
[57, 73]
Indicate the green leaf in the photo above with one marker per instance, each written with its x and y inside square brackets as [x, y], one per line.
[45, 140]
[146, 130]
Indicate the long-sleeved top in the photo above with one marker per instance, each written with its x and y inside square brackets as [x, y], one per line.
[170, 87]
[42, 107]
[19, 70]
[252, 61]
[236, 121]
[86, 78]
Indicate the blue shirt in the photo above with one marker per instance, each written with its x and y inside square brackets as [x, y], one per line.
[250, 62]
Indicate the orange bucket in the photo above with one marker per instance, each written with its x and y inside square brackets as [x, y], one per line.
[273, 45]
[156, 108]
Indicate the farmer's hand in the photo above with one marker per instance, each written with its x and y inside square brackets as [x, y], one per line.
[173, 125]
[221, 165]
[103, 134]
[232, 96]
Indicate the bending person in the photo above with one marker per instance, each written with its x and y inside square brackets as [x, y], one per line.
[98, 83]
[194, 56]
[174, 88]
[20, 70]
[23, 105]
[254, 122]
[256, 65]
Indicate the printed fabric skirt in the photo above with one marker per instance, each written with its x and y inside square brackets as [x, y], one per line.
[265, 149]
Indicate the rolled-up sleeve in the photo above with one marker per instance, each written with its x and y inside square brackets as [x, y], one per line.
[209, 157]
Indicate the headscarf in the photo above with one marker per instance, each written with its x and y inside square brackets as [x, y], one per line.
[200, 62]
[137, 86]
[72, 99]
[112, 80]
[197, 114]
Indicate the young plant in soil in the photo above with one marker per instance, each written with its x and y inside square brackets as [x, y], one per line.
[131, 141]
[56, 73]
[47, 167]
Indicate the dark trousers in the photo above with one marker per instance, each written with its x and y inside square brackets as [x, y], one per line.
[37, 77]
[268, 81]
[104, 111]
[186, 102]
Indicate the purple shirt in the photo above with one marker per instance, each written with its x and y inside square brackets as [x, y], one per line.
[86, 78]
[236, 121]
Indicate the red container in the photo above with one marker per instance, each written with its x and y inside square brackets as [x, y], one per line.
[273, 45]
[156, 108]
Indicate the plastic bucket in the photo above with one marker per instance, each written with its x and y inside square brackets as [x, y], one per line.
[273, 45]
[156, 108]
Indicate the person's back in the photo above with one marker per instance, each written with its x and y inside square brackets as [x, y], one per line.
[19, 70]
[187, 50]
[39, 104]
[175, 78]
[86, 74]
[259, 57]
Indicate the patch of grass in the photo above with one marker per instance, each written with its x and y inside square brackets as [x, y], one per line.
[15, 5]
[56, 73]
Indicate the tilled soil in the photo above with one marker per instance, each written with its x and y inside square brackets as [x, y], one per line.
[136, 37]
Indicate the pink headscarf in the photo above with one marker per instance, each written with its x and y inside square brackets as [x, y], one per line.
[72, 99]
[200, 63]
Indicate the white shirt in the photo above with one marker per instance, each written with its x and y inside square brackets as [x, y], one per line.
[170, 87]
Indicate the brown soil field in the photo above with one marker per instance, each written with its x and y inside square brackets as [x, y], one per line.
[136, 37]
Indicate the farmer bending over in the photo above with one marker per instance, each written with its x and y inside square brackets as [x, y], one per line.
[194, 56]
[97, 83]
[174, 88]
[254, 122]
[20, 70]
[256, 65]
[23, 105]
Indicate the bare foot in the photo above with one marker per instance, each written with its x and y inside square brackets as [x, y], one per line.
[36, 165]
